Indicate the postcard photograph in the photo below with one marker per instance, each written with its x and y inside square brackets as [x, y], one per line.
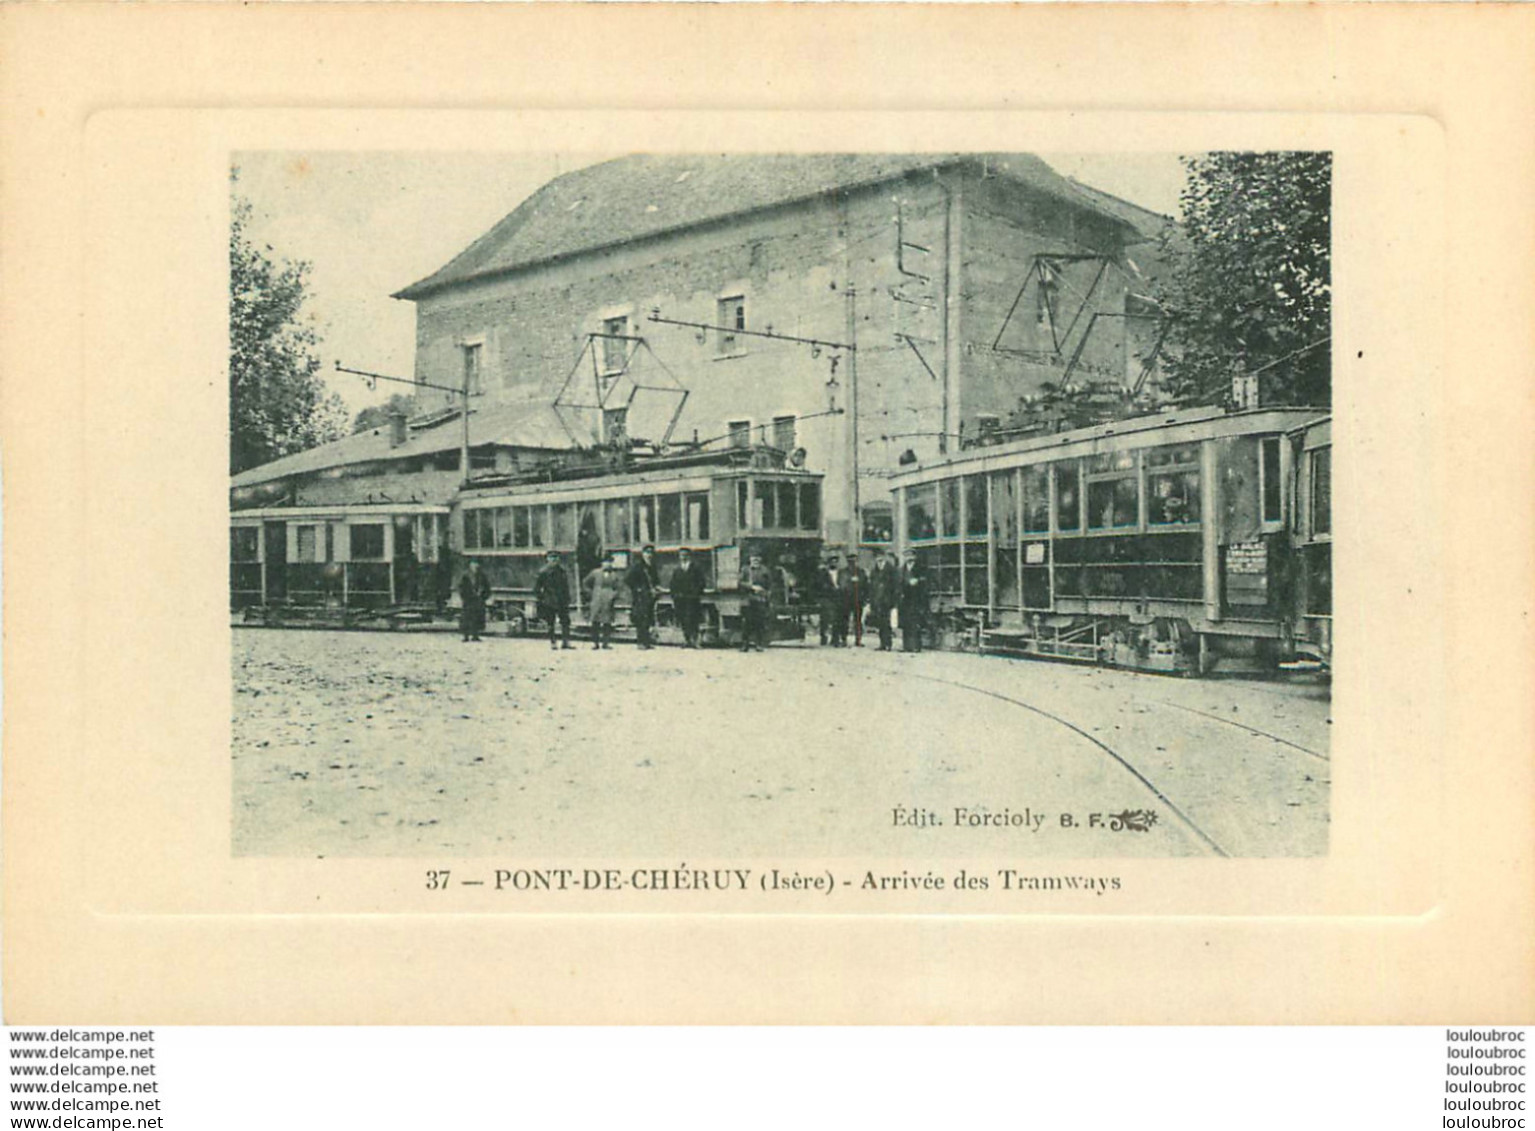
[960, 505]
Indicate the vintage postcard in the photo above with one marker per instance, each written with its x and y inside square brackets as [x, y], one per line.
[671, 550]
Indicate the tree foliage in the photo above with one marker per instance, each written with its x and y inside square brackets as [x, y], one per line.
[377, 415]
[1251, 278]
[277, 402]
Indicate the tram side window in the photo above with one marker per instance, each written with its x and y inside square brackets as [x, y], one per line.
[1321, 491]
[367, 542]
[306, 544]
[766, 504]
[697, 518]
[243, 543]
[1068, 500]
[1035, 482]
[670, 518]
[921, 512]
[1112, 502]
[948, 507]
[617, 514]
[499, 533]
[645, 519]
[1272, 507]
[975, 506]
[522, 532]
[743, 505]
[562, 519]
[538, 522]
[1172, 485]
[810, 506]
[878, 523]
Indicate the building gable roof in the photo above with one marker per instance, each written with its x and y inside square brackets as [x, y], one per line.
[635, 197]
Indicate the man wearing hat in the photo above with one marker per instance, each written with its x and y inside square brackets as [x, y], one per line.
[833, 585]
[687, 587]
[551, 589]
[643, 581]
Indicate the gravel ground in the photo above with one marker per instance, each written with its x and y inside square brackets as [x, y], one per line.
[414, 744]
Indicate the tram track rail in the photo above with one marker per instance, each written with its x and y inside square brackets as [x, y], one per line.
[1186, 822]
[1306, 750]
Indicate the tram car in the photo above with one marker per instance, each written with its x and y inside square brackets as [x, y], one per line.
[724, 506]
[348, 563]
[1167, 543]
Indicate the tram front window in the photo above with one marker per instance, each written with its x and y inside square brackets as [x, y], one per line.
[810, 506]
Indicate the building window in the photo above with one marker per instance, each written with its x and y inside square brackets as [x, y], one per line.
[367, 542]
[730, 317]
[783, 433]
[472, 377]
[482, 459]
[615, 346]
[740, 433]
[615, 425]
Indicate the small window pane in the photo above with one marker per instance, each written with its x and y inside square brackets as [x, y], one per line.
[500, 532]
[783, 433]
[878, 523]
[1036, 499]
[306, 544]
[243, 541]
[521, 530]
[1321, 491]
[730, 316]
[367, 542]
[767, 504]
[975, 505]
[810, 506]
[671, 518]
[1111, 503]
[618, 523]
[743, 507]
[1271, 479]
[788, 509]
[1068, 500]
[1172, 498]
[645, 520]
[538, 522]
[698, 518]
[922, 512]
[948, 498]
[563, 518]
[1004, 507]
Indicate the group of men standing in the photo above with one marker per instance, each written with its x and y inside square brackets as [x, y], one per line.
[846, 594]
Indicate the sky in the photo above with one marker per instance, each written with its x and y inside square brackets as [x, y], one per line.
[371, 223]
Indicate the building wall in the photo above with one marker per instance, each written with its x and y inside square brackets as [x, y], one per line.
[1005, 228]
[920, 365]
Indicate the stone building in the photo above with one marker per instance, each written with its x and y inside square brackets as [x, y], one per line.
[868, 309]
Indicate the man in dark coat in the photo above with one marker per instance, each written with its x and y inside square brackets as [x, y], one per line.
[474, 591]
[687, 587]
[884, 594]
[913, 605]
[757, 585]
[832, 595]
[643, 582]
[551, 589]
[856, 596]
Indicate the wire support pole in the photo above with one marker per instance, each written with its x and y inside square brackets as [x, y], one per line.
[655, 316]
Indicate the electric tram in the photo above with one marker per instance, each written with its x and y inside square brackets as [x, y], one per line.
[1195, 540]
[725, 506]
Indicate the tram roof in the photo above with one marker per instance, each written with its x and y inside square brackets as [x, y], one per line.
[1181, 425]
